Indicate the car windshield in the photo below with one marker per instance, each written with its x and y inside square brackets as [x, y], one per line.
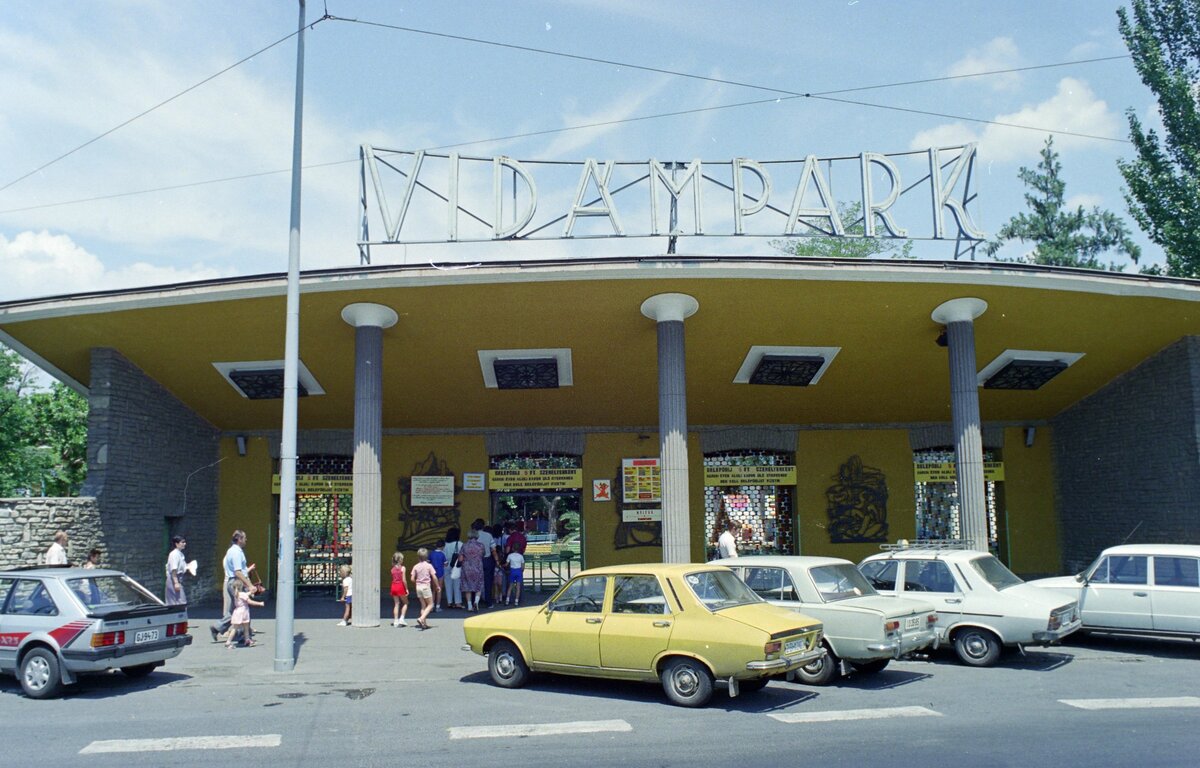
[994, 572]
[720, 589]
[840, 582]
[101, 594]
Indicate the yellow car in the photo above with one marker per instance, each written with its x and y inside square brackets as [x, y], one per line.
[686, 625]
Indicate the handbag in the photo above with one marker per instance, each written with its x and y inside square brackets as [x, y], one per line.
[455, 569]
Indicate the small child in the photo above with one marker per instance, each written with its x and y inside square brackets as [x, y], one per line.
[516, 576]
[498, 583]
[399, 591]
[425, 581]
[239, 621]
[437, 558]
[347, 594]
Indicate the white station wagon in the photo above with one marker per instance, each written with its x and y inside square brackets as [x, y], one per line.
[982, 606]
[863, 629]
[1137, 589]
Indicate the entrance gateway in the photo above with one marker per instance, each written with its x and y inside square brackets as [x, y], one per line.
[542, 494]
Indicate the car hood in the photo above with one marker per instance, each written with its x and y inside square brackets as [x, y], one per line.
[772, 619]
[1056, 582]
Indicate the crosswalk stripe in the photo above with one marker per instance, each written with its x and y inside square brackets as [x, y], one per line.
[854, 714]
[183, 742]
[1159, 703]
[538, 729]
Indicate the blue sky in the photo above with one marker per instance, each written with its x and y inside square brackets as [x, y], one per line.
[70, 71]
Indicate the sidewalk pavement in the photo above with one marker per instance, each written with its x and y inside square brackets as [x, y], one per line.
[330, 654]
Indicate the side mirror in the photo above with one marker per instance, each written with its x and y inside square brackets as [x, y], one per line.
[549, 607]
[1079, 577]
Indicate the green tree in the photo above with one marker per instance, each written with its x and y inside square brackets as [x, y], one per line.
[1061, 236]
[43, 434]
[853, 246]
[1163, 180]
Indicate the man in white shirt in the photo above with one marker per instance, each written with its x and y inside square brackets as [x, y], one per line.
[235, 570]
[57, 553]
[489, 560]
[726, 543]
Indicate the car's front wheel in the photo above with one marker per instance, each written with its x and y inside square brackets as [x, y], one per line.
[507, 666]
[820, 671]
[687, 682]
[40, 678]
[140, 670]
[977, 647]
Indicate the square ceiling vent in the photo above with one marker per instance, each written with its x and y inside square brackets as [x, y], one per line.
[526, 368]
[785, 366]
[263, 379]
[1025, 369]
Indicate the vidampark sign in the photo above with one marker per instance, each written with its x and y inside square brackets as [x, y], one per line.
[421, 197]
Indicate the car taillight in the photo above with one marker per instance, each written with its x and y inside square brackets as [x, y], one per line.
[174, 630]
[774, 646]
[932, 618]
[105, 639]
[891, 626]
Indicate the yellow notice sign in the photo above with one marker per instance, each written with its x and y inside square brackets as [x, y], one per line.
[534, 479]
[319, 484]
[944, 472]
[777, 475]
[641, 481]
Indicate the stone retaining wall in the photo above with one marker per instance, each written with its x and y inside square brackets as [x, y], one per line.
[28, 525]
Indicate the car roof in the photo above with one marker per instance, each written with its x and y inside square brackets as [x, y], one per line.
[923, 554]
[663, 569]
[1169, 550]
[781, 561]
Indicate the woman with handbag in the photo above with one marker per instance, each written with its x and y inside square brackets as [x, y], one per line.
[453, 552]
[472, 570]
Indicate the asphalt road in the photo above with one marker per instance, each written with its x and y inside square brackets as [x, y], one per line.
[387, 697]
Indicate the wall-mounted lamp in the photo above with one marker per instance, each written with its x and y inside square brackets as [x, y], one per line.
[1029, 433]
[241, 445]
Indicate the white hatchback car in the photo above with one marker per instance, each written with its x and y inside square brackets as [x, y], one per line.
[982, 606]
[1137, 589]
[863, 629]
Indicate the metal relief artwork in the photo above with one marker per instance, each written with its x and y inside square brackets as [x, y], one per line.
[632, 534]
[424, 526]
[857, 504]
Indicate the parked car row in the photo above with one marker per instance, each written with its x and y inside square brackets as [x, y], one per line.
[748, 620]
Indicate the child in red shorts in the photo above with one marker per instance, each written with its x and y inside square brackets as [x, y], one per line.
[399, 591]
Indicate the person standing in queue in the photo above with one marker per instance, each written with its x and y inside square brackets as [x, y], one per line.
[726, 543]
[236, 569]
[176, 567]
[489, 560]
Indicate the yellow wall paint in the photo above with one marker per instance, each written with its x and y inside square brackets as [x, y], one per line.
[820, 455]
[246, 502]
[1029, 502]
[602, 461]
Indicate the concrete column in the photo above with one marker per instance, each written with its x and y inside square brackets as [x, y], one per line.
[669, 310]
[368, 320]
[958, 315]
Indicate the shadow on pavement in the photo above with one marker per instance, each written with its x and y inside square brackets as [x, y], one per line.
[1161, 648]
[103, 685]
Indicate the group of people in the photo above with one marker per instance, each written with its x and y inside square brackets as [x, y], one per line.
[490, 565]
[56, 553]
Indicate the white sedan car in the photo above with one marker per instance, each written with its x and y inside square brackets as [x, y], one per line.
[982, 606]
[1137, 589]
[863, 629]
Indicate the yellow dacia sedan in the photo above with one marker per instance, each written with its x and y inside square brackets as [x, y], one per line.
[685, 625]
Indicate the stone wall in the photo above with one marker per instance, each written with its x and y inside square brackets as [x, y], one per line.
[145, 448]
[28, 525]
[1127, 458]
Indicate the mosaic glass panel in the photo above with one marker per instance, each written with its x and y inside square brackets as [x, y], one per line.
[323, 525]
[764, 512]
[937, 503]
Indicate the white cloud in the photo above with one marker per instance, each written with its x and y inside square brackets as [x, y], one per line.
[1073, 107]
[1087, 200]
[999, 53]
[42, 264]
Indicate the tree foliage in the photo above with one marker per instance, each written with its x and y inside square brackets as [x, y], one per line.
[1163, 180]
[43, 434]
[853, 246]
[1061, 236]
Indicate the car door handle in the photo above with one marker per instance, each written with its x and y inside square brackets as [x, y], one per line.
[954, 600]
[662, 623]
[593, 621]
[1139, 594]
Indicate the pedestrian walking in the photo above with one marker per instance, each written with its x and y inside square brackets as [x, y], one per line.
[236, 570]
[176, 567]
[399, 591]
[437, 558]
[56, 553]
[425, 581]
[347, 597]
[489, 559]
[472, 570]
[239, 620]
[93, 559]
[454, 566]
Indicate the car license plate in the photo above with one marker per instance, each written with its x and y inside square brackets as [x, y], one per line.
[795, 646]
[912, 622]
[145, 636]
